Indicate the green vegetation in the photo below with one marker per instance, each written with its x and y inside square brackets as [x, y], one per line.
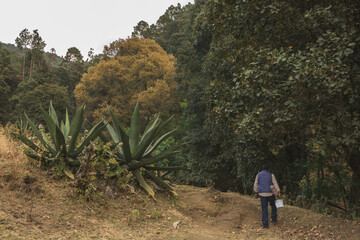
[60, 146]
[135, 152]
[269, 81]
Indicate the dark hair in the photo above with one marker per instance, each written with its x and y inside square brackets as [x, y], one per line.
[266, 167]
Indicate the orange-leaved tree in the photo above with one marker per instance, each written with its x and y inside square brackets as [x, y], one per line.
[133, 70]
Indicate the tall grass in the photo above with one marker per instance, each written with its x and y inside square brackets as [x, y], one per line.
[11, 155]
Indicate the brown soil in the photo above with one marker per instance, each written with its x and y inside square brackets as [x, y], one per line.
[36, 205]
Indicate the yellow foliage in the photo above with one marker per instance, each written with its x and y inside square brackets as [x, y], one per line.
[137, 70]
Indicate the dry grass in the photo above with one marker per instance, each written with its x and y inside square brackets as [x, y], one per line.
[11, 155]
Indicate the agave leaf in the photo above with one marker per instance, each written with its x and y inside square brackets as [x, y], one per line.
[160, 182]
[93, 133]
[125, 147]
[66, 130]
[134, 133]
[74, 162]
[35, 156]
[114, 136]
[121, 136]
[171, 168]
[152, 147]
[116, 172]
[68, 173]
[27, 142]
[115, 121]
[48, 142]
[145, 142]
[150, 126]
[62, 126]
[50, 124]
[75, 127]
[152, 160]
[146, 161]
[143, 184]
[149, 137]
[163, 125]
[114, 139]
[19, 124]
[111, 174]
[59, 140]
[104, 138]
[53, 115]
[22, 125]
[38, 134]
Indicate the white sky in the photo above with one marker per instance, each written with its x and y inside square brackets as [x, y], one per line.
[83, 24]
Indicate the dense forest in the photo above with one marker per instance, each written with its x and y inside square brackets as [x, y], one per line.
[248, 83]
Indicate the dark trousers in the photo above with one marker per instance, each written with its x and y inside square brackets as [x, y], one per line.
[264, 210]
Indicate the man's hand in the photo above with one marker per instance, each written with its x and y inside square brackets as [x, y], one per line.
[257, 195]
[279, 195]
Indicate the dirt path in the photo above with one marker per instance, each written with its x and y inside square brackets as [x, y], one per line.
[217, 215]
[211, 214]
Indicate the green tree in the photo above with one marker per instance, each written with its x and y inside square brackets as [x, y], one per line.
[29, 101]
[285, 87]
[23, 42]
[70, 71]
[4, 100]
[73, 55]
[37, 50]
[7, 77]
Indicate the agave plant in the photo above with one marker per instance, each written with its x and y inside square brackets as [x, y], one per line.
[60, 145]
[22, 125]
[136, 153]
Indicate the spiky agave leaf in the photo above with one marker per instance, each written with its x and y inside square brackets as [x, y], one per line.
[27, 142]
[75, 127]
[22, 125]
[121, 136]
[151, 133]
[154, 145]
[66, 125]
[57, 149]
[143, 183]
[160, 182]
[170, 168]
[151, 160]
[145, 142]
[151, 125]
[40, 136]
[53, 114]
[137, 151]
[134, 133]
[93, 133]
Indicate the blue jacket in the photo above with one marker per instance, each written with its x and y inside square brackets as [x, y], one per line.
[265, 180]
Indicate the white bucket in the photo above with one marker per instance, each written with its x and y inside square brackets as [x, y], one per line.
[279, 203]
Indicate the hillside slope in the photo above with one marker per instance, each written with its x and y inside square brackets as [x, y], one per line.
[36, 205]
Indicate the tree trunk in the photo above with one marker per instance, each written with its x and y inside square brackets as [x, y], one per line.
[354, 163]
[31, 65]
[23, 78]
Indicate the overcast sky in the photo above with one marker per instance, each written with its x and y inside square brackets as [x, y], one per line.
[83, 24]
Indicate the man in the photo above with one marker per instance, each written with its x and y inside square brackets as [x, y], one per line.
[263, 181]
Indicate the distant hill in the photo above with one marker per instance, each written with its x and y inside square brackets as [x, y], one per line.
[11, 47]
[19, 52]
